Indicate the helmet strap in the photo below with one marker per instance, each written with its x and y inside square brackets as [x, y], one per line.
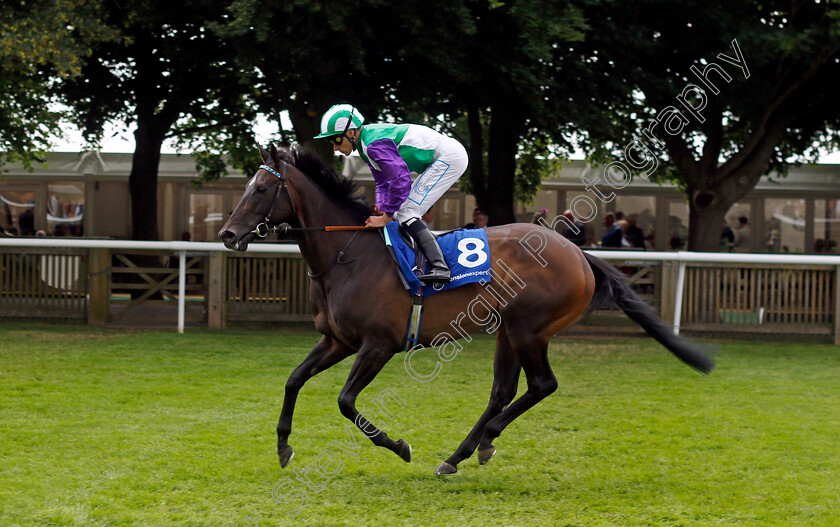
[347, 129]
[351, 139]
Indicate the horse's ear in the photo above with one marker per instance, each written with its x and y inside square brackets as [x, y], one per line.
[274, 155]
[265, 155]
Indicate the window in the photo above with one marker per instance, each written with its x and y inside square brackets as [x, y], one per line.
[205, 219]
[65, 209]
[826, 225]
[591, 217]
[784, 226]
[742, 232]
[677, 225]
[641, 211]
[17, 212]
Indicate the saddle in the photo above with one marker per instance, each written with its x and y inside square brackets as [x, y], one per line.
[466, 251]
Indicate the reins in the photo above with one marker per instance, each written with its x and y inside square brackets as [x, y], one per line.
[262, 229]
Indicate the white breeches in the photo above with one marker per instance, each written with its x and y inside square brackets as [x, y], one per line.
[449, 165]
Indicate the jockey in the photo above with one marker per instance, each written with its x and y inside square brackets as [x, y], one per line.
[393, 151]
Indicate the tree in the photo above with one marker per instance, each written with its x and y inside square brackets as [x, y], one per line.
[722, 92]
[494, 76]
[39, 41]
[311, 55]
[172, 77]
[481, 65]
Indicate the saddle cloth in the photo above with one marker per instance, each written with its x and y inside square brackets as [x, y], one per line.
[466, 251]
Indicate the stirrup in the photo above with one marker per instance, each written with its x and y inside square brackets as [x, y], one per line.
[436, 276]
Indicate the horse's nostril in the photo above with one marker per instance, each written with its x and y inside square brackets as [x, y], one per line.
[226, 235]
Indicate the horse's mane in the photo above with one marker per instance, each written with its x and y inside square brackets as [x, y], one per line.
[344, 191]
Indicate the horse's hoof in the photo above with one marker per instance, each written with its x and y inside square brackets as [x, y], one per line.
[404, 451]
[486, 455]
[445, 469]
[285, 454]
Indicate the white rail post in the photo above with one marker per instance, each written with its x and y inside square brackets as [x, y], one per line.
[678, 296]
[837, 304]
[182, 288]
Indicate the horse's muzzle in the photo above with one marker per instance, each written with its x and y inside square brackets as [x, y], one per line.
[234, 242]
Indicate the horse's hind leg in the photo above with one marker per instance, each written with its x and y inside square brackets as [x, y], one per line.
[505, 379]
[369, 362]
[533, 355]
[326, 353]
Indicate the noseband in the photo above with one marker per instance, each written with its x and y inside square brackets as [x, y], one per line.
[263, 229]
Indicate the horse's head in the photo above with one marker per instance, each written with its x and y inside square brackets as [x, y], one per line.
[266, 202]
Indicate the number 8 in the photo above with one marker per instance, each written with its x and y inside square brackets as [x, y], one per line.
[478, 250]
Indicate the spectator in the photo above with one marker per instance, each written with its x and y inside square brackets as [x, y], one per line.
[613, 235]
[540, 214]
[40, 233]
[26, 220]
[480, 220]
[675, 243]
[727, 238]
[742, 236]
[471, 225]
[634, 236]
[576, 234]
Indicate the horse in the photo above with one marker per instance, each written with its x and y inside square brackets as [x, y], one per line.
[541, 283]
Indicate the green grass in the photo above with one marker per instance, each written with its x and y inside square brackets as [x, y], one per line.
[151, 428]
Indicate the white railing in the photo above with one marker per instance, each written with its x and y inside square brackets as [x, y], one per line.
[681, 258]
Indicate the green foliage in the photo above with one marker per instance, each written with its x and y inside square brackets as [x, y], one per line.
[149, 428]
[54, 33]
[40, 40]
[793, 55]
[535, 163]
[172, 77]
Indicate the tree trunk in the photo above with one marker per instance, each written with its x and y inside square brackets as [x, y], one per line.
[478, 182]
[142, 182]
[705, 227]
[501, 174]
[708, 206]
[306, 127]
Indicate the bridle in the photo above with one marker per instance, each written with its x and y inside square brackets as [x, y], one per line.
[263, 229]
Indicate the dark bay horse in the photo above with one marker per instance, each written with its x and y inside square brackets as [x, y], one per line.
[540, 284]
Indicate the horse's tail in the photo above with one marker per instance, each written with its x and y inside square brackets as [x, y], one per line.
[611, 285]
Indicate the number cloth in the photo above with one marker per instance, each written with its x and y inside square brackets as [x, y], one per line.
[393, 151]
[466, 252]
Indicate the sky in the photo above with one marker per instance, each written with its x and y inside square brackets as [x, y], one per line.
[118, 140]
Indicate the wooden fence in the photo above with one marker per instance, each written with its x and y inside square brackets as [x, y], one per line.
[759, 298]
[43, 283]
[119, 283]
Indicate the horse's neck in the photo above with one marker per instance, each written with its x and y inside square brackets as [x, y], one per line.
[315, 209]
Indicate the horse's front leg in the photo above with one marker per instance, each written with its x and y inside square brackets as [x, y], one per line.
[326, 353]
[369, 362]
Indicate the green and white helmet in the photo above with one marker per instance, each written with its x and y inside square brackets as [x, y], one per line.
[339, 119]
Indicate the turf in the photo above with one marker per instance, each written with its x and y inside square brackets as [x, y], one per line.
[122, 428]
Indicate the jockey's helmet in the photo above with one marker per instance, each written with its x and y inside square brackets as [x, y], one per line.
[339, 119]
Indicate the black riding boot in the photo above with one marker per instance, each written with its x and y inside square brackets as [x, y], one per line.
[439, 272]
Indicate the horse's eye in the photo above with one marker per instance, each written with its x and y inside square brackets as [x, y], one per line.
[260, 189]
